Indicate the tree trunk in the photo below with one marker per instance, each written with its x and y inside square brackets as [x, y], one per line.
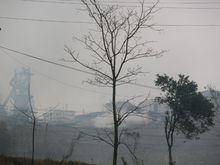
[115, 153]
[123, 161]
[33, 136]
[170, 155]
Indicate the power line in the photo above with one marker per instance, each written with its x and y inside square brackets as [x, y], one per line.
[167, 2]
[184, 8]
[51, 78]
[172, 1]
[65, 66]
[46, 61]
[187, 25]
[85, 22]
[124, 2]
[163, 7]
[45, 20]
[141, 85]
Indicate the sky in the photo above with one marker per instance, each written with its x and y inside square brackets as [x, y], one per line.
[192, 44]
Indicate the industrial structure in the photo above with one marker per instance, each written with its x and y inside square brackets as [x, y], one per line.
[17, 101]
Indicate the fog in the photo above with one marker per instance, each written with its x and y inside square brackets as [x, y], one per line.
[33, 38]
[186, 45]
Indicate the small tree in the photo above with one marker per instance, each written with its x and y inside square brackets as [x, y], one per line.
[215, 97]
[71, 149]
[190, 113]
[114, 46]
[31, 116]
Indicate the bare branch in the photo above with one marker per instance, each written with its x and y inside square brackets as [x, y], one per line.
[86, 65]
[109, 133]
[73, 143]
[131, 111]
[98, 138]
[113, 47]
[52, 109]
[22, 111]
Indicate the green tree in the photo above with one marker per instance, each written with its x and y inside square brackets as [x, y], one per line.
[189, 113]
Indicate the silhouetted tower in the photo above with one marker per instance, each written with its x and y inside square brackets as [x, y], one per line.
[19, 91]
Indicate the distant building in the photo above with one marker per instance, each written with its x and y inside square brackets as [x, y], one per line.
[57, 116]
[155, 110]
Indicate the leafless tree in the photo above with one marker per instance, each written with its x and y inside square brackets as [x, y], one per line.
[29, 113]
[130, 142]
[31, 116]
[71, 148]
[123, 161]
[114, 46]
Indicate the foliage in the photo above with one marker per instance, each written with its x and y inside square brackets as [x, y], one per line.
[191, 112]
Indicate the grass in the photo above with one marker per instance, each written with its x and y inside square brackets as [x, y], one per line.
[8, 160]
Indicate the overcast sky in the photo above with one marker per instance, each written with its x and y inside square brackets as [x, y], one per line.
[192, 50]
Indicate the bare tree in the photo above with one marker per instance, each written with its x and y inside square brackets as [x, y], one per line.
[128, 138]
[29, 113]
[31, 116]
[114, 46]
[71, 148]
[130, 142]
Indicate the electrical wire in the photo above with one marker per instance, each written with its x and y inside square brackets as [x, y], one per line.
[85, 22]
[54, 79]
[64, 66]
[106, 3]
[46, 61]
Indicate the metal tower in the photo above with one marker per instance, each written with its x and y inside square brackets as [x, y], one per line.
[19, 91]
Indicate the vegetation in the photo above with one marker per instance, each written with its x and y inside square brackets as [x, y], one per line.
[189, 113]
[7, 160]
[5, 139]
[114, 46]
